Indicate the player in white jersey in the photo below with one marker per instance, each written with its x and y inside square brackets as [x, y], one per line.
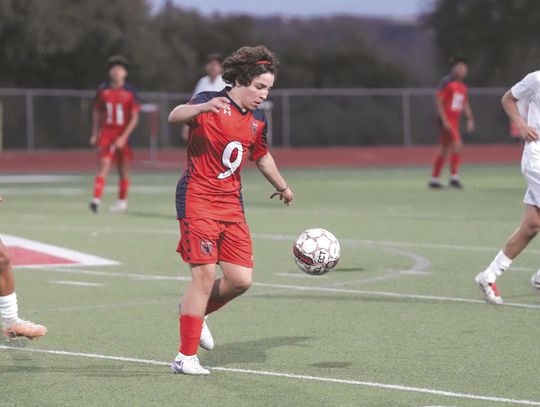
[522, 104]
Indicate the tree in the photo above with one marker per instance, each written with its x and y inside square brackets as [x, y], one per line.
[498, 37]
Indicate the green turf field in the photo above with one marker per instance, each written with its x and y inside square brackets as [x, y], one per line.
[398, 323]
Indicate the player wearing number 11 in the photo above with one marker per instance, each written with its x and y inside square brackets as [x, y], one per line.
[225, 128]
[115, 115]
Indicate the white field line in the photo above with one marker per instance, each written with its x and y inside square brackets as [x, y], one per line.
[7, 192]
[264, 236]
[77, 283]
[294, 376]
[300, 275]
[99, 306]
[72, 255]
[135, 276]
[327, 289]
[36, 178]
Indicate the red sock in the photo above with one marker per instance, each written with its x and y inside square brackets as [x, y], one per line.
[99, 184]
[190, 334]
[213, 306]
[437, 166]
[455, 160]
[123, 188]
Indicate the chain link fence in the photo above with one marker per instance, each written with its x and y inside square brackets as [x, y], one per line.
[57, 119]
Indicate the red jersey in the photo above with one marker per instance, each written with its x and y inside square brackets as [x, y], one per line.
[218, 145]
[454, 95]
[117, 106]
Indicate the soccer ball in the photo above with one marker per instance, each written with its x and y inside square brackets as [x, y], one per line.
[316, 251]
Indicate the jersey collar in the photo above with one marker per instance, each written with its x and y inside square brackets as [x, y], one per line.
[225, 93]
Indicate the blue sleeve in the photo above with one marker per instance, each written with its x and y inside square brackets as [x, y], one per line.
[202, 97]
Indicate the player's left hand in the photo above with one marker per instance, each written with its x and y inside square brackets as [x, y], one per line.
[286, 196]
[470, 125]
[120, 143]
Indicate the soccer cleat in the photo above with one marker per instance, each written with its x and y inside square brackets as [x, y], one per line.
[455, 183]
[119, 206]
[24, 328]
[189, 365]
[94, 205]
[435, 184]
[207, 341]
[491, 293]
[535, 282]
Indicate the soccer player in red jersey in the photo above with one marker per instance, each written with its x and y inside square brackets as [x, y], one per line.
[12, 325]
[452, 99]
[115, 116]
[225, 128]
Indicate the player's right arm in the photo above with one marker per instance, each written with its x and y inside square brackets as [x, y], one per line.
[439, 102]
[187, 112]
[96, 121]
[97, 112]
[509, 102]
[523, 90]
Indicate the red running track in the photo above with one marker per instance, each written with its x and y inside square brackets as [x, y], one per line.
[43, 161]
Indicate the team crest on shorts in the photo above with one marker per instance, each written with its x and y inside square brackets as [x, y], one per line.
[254, 127]
[206, 247]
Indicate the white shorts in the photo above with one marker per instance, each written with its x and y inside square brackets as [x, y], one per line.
[531, 172]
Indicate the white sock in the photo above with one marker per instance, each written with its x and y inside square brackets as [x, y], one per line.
[498, 266]
[9, 309]
[454, 177]
[434, 179]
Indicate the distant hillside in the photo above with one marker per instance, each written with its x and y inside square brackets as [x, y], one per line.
[406, 44]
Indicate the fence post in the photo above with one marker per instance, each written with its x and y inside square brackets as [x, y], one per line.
[285, 119]
[1, 125]
[29, 102]
[164, 114]
[406, 117]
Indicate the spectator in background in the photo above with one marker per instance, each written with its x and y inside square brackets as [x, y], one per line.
[212, 82]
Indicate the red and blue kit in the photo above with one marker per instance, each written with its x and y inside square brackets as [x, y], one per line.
[209, 195]
[454, 95]
[116, 105]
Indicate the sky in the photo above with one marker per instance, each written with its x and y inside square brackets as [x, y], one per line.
[307, 8]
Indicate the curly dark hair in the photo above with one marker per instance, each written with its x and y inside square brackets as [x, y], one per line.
[246, 63]
[118, 60]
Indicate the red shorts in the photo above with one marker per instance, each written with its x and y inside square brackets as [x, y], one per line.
[107, 149]
[207, 241]
[448, 137]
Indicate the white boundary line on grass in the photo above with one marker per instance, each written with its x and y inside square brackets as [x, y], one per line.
[81, 259]
[289, 376]
[326, 289]
[435, 246]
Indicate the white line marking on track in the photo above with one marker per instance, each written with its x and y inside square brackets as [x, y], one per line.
[399, 387]
[77, 283]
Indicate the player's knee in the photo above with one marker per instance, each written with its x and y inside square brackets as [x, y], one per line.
[532, 228]
[243, 283]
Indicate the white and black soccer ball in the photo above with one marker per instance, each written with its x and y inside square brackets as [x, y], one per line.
[316, 251]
